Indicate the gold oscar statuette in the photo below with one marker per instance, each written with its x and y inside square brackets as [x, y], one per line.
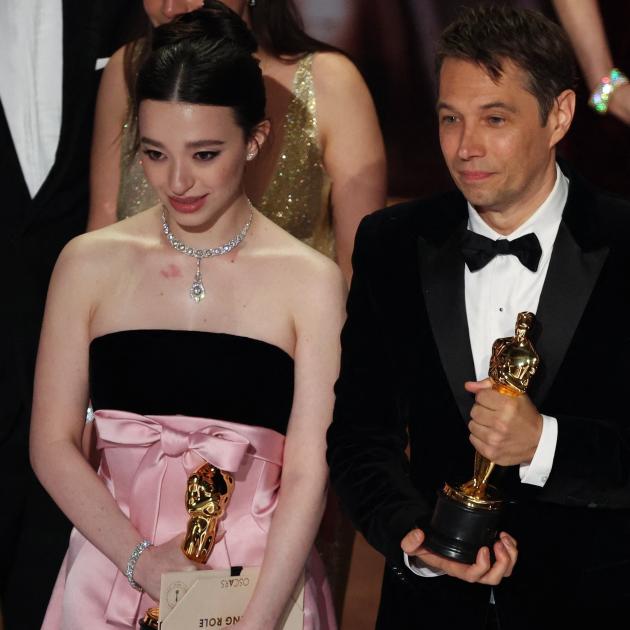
[467, 515]
[151, 618]
[208, 492]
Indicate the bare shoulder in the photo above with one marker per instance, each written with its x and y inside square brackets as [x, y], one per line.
[308, 275]
[318, 294]
[318, 272]
[97, 255]
[344, 104]
[117, 60]
[333, 72]
[111, 104]
[317, 297]
[76, 279]
[114, 72]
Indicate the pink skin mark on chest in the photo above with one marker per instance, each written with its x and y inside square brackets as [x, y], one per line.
[172, 271]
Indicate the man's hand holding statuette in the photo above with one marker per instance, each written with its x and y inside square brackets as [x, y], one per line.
[481, 572]
[504, 429]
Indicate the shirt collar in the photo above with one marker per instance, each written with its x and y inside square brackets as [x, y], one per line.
[544, 222]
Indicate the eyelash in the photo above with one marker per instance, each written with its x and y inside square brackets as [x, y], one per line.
[152, 154]
[210, 155]
[202, 156]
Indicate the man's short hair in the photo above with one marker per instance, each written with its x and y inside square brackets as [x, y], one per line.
[490, 35]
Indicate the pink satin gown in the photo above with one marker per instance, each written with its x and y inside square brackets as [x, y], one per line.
[145, 463]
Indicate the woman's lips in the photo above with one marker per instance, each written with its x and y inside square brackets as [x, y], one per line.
[187, 204]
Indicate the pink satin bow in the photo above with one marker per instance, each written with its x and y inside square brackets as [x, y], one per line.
[174, 445]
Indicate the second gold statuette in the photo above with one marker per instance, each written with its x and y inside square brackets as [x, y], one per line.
[467, 516]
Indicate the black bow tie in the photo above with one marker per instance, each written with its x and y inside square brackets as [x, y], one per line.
[479, 250]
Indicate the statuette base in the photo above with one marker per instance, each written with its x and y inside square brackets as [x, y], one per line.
[461, 525]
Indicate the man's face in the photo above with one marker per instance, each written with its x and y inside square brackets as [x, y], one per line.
[499, 155]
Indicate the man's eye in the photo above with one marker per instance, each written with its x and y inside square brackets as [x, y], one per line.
[449, 119]
[496, 120]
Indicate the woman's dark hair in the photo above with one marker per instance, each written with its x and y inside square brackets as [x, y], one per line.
[205, 58]
[491, 35]
[278, 27]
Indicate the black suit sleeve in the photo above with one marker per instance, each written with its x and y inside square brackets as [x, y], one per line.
[368, 435]
[591, 464]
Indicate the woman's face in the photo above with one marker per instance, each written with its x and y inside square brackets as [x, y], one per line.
[162, 11]
[194, 156]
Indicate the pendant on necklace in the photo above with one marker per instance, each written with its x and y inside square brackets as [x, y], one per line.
[197, 290]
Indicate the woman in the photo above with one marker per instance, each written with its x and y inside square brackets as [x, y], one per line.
[212, 356]
[324, 166]
[599, 35]
[585, 28]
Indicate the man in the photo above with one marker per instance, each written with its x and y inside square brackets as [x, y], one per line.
[52, 51]
[422, 318]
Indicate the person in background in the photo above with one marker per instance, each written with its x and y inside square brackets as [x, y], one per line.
[432, 290]
[323, 168]
[599, 142]
[610, 90]
[53, 52]
[202, 333]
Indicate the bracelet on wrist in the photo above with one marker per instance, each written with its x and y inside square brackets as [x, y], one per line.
[600, 96]
[138, 550]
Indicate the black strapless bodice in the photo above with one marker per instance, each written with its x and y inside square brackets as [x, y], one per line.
[208, 375]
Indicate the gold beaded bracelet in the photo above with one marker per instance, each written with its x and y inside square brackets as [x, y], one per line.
[600, 96]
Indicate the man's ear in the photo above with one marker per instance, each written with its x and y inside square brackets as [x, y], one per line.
[561, 116]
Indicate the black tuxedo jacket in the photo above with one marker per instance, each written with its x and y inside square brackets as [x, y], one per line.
[406, 355]
[32, 233]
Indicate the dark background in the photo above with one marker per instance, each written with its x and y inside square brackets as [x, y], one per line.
[392, 42]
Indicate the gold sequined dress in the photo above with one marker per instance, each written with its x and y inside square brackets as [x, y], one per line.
[297, 198]
[135, 193]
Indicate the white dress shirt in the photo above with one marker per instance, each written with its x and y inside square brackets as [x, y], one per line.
[31, 73]
[495, 294]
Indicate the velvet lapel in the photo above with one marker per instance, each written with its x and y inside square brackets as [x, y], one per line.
[576, 262]
[12, 181]
[80, 42]
[442, 276]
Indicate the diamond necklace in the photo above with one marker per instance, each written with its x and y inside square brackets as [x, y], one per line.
[197, 291]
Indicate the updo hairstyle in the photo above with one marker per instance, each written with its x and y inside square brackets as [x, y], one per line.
[205, 58]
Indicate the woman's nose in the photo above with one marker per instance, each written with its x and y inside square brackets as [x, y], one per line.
[180, 180]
